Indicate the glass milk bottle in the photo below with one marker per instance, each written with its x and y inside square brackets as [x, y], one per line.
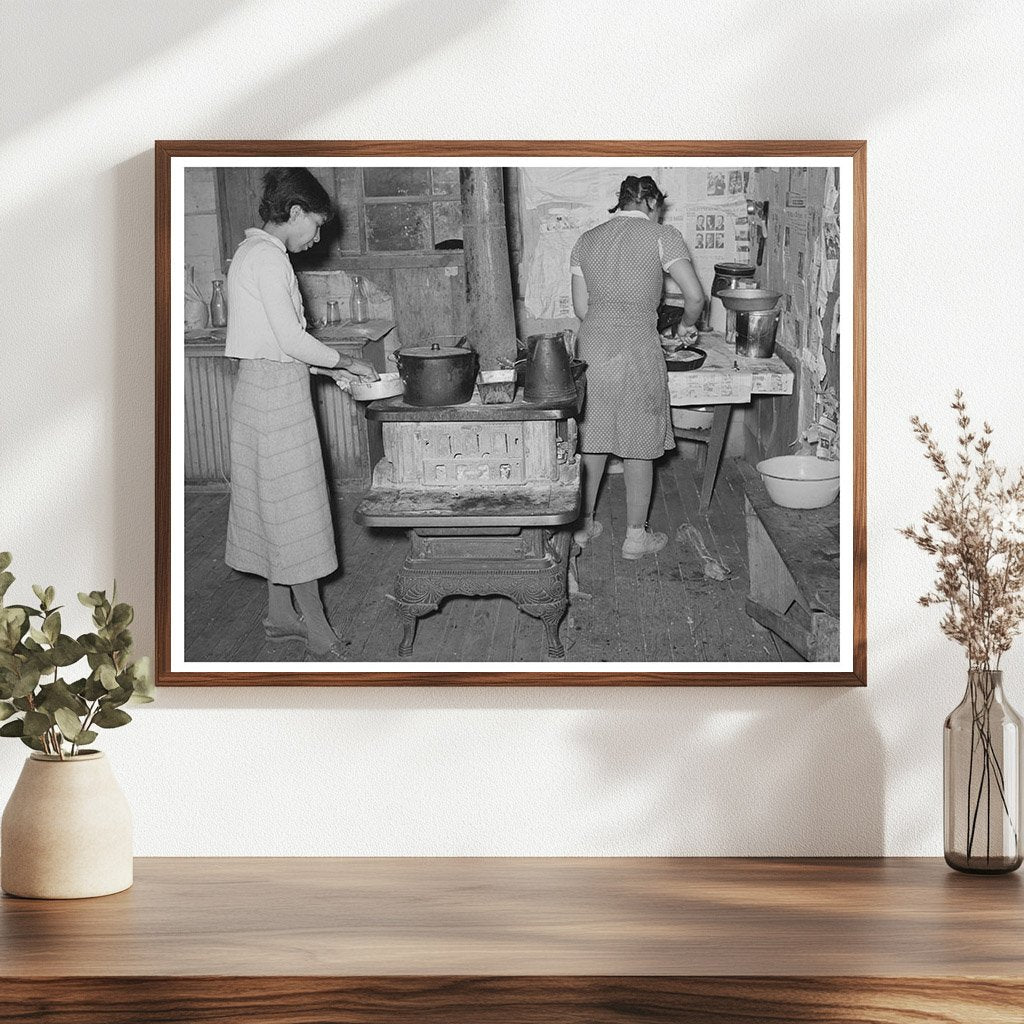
[359, 304]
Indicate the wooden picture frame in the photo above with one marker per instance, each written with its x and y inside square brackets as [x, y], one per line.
[847, 159]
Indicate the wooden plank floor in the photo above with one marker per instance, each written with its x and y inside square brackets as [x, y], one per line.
[658, 609]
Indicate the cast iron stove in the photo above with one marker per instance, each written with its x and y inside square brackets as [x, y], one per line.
[487, 492]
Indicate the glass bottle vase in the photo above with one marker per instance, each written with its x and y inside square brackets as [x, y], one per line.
[981, 775]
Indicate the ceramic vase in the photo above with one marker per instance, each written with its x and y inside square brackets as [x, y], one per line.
[66, 830]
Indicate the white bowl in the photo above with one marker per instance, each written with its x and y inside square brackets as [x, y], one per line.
[800, 481]
[692, 417]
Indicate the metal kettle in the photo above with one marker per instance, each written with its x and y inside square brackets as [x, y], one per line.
[548, 370]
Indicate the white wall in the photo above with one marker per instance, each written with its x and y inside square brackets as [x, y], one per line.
[88, 87]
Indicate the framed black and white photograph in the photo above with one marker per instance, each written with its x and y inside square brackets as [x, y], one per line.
[492, 413]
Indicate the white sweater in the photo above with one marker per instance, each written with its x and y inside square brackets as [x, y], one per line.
[265, 316]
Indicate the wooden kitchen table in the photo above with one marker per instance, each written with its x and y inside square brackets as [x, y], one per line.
[724, 380]
[501, 941]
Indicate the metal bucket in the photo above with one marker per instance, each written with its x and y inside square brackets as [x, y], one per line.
[755, 332]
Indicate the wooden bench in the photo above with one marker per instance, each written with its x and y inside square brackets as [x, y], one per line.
[794, 570]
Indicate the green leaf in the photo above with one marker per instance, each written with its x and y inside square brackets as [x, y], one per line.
[94, 645]
[6, 579]
[31, 741]
[142, 682]
[50, 595]
[115, 698]
[94, 689]
[36, 723]
[86, 736]
[29, 611]
[89, 600]
[122, 616]
[13, 623]
[40, 593]
[15, 728]
[27, 681]
[39, 636]
[69, 724]
[59, 695]
[6, 710]
[51, 626]
[5, 560]
[111, 718]
[66, 651]
[107, 676]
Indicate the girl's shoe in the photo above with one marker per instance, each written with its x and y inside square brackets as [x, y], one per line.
[590, 529]
[334, 652]
[297, 631]
[642, 542]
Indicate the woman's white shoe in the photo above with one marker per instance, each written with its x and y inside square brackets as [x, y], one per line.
[642, 542]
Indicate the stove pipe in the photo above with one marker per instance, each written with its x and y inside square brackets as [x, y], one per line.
[490, 314]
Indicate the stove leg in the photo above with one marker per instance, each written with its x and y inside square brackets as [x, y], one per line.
[410, 614]
[551, 615]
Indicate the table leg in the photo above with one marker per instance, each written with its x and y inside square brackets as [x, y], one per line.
[719, 425]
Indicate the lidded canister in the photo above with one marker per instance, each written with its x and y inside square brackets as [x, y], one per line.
[727, 275]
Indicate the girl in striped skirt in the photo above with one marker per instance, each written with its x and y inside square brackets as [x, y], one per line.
[279, 519]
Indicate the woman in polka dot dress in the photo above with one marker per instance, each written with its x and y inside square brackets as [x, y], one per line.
[617, 271]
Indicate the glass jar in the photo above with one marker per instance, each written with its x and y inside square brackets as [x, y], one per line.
[981, 779]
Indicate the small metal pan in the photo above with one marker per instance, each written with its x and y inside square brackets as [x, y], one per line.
[689, 357]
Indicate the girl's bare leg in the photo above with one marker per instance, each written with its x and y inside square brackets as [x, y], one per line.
[281, 610]
[307, 597]
[639, 476]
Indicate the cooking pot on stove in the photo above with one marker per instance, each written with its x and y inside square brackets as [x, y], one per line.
[436, 375]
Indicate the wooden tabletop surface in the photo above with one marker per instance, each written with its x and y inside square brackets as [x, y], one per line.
[508, 917]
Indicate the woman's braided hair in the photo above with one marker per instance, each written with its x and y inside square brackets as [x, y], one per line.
[639, 190]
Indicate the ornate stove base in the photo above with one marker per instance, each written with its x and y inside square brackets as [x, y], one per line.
[529, 565]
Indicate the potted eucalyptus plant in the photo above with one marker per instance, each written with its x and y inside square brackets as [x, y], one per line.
[66, 830]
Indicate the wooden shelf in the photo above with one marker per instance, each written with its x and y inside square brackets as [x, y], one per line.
[272, 941]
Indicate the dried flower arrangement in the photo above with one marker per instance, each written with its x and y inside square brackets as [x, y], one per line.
[975, 529]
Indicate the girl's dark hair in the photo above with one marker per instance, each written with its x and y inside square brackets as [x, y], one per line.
[285, 187]
[639, 190]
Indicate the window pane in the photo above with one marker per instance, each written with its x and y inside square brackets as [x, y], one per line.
[396, 181]
[446, 181]
[447, 221]
[398, 227]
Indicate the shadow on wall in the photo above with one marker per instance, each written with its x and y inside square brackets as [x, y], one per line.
[398, 37]
[116, 40]
[738, 771]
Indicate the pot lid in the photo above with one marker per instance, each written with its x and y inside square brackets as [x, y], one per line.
[735, 269]
[434, 351]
